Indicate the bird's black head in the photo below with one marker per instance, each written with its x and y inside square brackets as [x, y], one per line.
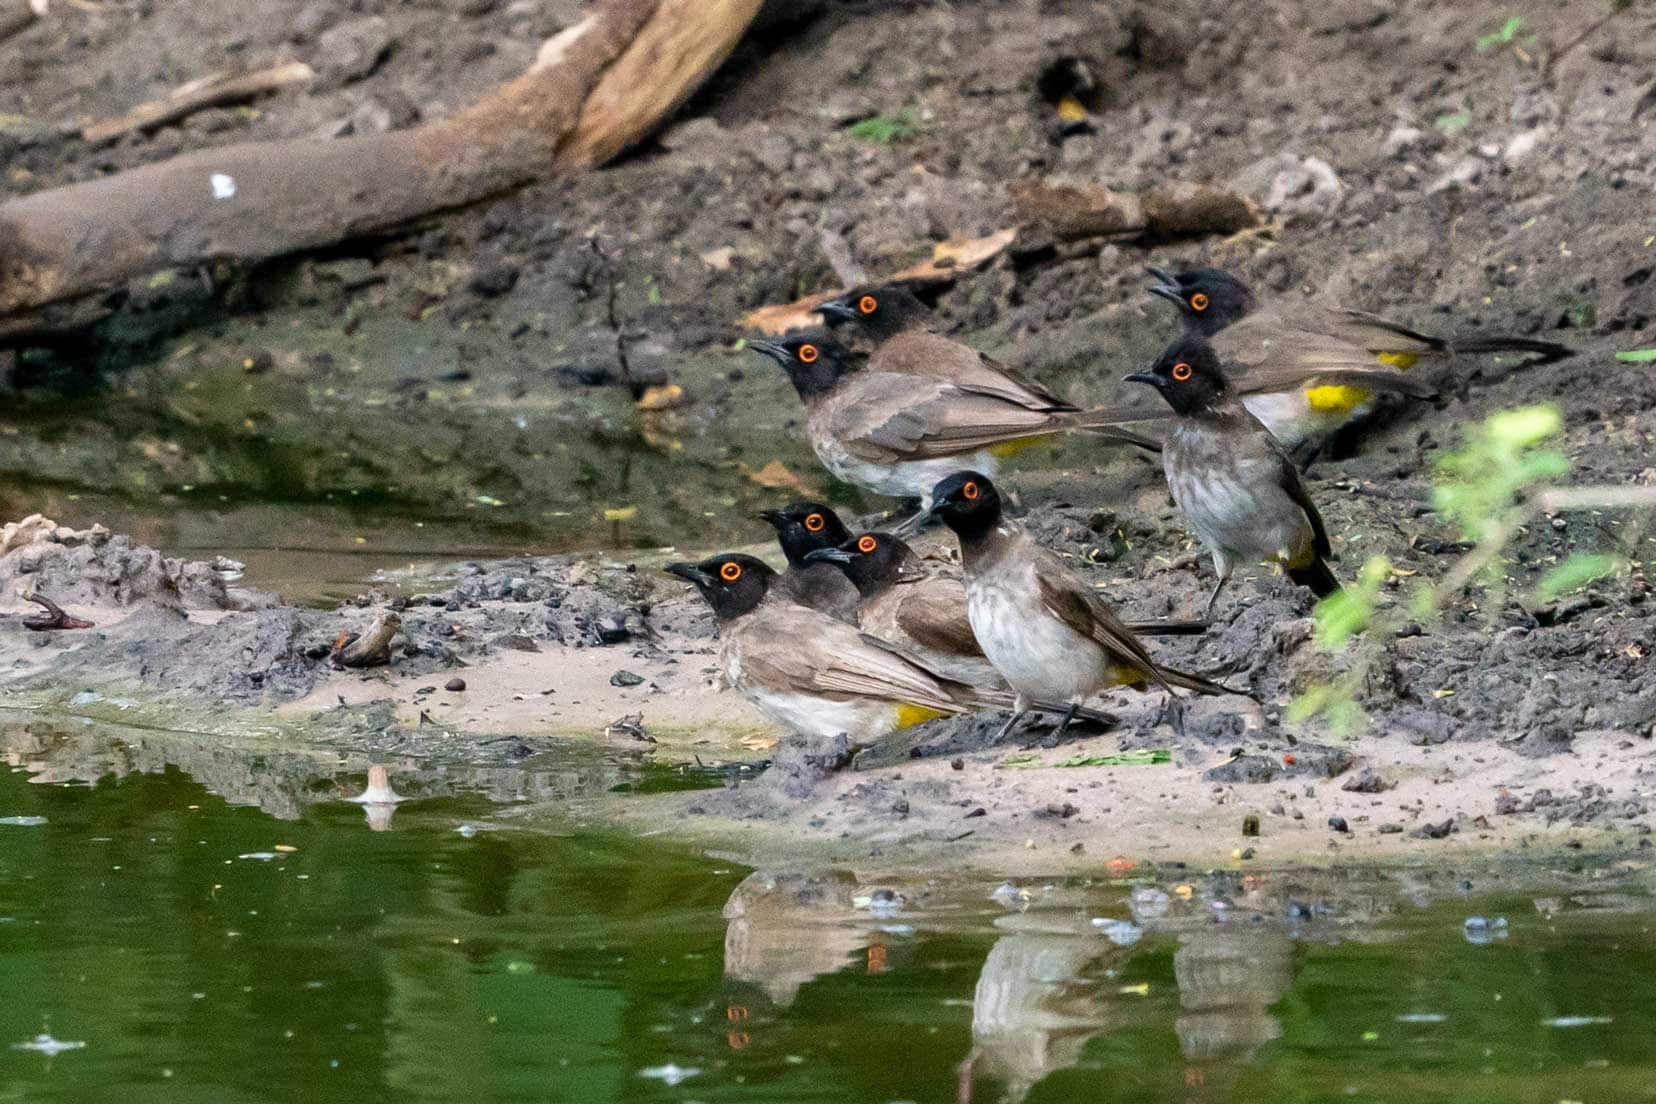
[733, 584]
[873, 562]
[1209, 299]
[805, 527]
[1187, 374]
[879, 312]
[814, 361]
[968, 503]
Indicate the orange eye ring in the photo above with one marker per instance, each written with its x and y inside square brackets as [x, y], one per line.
[730, 572]
[1199, 301]
[866, 543]
[807, 354]
[814, 523]
[868, 304]
[970, 492]
[1181, 371]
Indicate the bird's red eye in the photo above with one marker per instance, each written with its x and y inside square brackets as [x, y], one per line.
[814, 523]
[1199, 301]
[867, 304]
[867, 544]
[807, 354]
[969, 492]
[730, 572]
[1181, 371]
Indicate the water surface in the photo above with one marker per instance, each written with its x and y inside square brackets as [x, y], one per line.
[286, 950]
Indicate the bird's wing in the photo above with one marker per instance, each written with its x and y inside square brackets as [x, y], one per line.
[1380, 335]
[783, 648]
[1272, 352]
[932, 613]
[1288, 476]
[933, 356]
[1073, 602]
[884, 417]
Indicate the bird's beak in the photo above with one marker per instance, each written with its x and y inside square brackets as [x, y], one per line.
[774, 517]
[690, 573]
[836, 310]
[829, 555]
[1143, 377]
[915, 522]
[1161, 275]
[1169, 291]
[771, 349]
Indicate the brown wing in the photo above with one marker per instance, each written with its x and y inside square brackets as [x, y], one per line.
[1075, 603]
[932, 613]
[788, 647]
[1380, 335]
[1262, 353]
[885, 417]
[1288, 476]
[935, 357]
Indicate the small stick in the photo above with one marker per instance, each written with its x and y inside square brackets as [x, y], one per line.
[197, 95]
[53, 618]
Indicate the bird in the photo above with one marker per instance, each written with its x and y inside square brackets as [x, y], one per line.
[920, 608]
[819, 677]
[911, 605]
[1306, 371]
[898, 432]
[1239, 491]
[803, 528]
[809, 673]
[1051, 636]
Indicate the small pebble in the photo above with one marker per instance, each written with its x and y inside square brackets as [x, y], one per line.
[455, 685]
[1338, 823]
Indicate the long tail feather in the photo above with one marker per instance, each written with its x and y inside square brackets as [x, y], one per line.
[1547, 350]
[1316, 576]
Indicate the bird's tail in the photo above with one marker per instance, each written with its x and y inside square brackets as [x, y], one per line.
[1316, 576]
[1169, 628]
[1547, 350]
[1184, 680]
[1107, 422]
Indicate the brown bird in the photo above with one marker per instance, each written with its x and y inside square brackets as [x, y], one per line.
[1045, 629]
[1240, 493]
[803, 528]
[920, 608]
[898, 432]
[1305, 371]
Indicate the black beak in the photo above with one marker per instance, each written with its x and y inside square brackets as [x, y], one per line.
[774, 517]
[829, 555]
[1170, 292]
[773, 350]
[1161, 275]
[836, 310]
[1143, 377]
[690, 573]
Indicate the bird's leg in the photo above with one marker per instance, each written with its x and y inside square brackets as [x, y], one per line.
[1020, 709]
[1207, 613]
[1069, 716]
[1173, 710]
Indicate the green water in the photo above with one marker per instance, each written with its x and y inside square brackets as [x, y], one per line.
[425, 963]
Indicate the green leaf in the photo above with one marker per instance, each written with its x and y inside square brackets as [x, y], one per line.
[1524, 426]
[1577, 571]
[1449, 124]
[1341, 616]
[1144, 758]
[1029, 759]
[884, 128]
[1637, 356]
[1504, 36]
[1309, 703]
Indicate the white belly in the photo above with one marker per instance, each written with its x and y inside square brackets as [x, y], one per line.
[913, 479]
[864, 721]
[1039, 656]
[1289, 416]
[1236, 508]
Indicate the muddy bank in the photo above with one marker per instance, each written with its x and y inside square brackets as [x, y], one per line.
[501, 665]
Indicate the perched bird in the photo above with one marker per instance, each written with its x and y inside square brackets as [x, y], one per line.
[1305, 371]
[808, 672]
[898, 432]
[1240, 493]
[1045, 629]
[915, 607]
[920, 608]
[820, 677]
[803, 528]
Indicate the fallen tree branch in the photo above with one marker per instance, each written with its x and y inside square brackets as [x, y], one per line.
[20, 15]
[197, 95]
[1068, 211]
[596, 88]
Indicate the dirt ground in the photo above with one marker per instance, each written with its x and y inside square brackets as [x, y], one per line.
[1506, 187]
